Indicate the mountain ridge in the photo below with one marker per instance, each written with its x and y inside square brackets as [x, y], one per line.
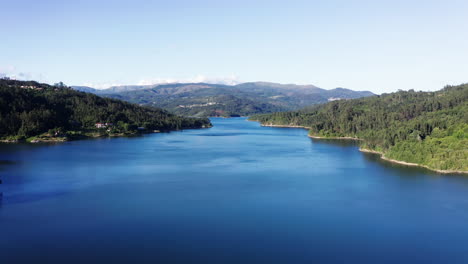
[133, 87]
[205, 99]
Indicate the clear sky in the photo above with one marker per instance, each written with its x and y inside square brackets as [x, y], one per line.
[381, 46]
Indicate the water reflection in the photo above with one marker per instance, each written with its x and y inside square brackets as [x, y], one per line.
[337, 142]
[268, 196]
[402, 169]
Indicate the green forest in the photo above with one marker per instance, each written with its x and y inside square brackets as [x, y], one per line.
[30, 109]
[427, 128]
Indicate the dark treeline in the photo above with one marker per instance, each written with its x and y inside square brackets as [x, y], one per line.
[428, 128]
[28, 108]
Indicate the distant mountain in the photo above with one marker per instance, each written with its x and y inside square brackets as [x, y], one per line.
[86, 89]
[125, 88]
[294, 96]
[203, 99]
[112, 89]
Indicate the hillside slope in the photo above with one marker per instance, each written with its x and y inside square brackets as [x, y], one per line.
[29, 109]
[426, 128]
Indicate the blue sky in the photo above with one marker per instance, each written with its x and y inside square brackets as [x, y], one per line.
[381, 46]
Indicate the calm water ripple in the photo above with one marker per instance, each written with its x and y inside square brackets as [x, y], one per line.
[234, 193]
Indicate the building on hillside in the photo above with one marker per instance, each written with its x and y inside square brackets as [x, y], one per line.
[103, 125]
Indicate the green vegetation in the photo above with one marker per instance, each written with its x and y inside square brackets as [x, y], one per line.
[427, 128]
[201, 99]
[202, 102]
[34, 111]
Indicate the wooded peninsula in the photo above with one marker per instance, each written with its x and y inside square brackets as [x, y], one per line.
[429, 129]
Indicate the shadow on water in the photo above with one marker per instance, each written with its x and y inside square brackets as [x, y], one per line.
[26, 198]
[401, 169]
[407, 170]
[6, 162]
[3, 164]
[7, 198]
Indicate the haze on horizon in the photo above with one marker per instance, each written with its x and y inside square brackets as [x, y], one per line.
[380, 46]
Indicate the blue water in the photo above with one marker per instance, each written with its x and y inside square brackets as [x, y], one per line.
[234, 193]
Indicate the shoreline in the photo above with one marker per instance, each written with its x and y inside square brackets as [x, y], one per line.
[63, 139]
[284, 126]
[304, 127]
[93, 135]
[381, 154]
[9, 141]
[346, 138]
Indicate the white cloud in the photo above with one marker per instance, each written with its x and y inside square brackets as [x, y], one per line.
[228, 80]
[101, 85]
[13, 73]
[157, 81]
[8, 71]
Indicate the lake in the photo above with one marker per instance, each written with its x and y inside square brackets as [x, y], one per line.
[234, 193]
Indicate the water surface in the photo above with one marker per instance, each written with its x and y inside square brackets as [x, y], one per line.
[234, 193]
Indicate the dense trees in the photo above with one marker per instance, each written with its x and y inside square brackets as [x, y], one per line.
[30, 108]
[428, 128]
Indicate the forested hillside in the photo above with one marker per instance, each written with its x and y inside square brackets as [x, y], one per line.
[203, 99]
[427, 128]
[28, 109]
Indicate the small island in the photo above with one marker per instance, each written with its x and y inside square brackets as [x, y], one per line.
[37, 112]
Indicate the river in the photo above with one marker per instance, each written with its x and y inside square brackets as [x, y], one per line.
[233, 193]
